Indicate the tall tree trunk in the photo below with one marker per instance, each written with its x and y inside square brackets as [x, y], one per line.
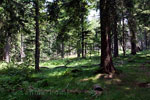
[123, 35]
[22, 54]
[2, 50]
[78, 48]
[142, 46]
[83, 36]
[85, 51]
[70, 49]
[1, 54]
[132, 27]
[106, 57]
[62, 49]
[37, 44]
[7, 50]
[132, 24]
[114, 29]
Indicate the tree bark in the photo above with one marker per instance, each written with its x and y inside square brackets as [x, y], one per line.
[123, 36]
[78, 48]
[22, 54]
[1, 54]
[132, 27]
[2, 50]
[37, 44]
[132, 24]
[85, 49]
[62, 49]
[83, 36]
[106, 57]
[7, 50]
[114, 29]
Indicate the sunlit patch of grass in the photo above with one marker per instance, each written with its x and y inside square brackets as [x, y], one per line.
[134, 69]
[2, 65]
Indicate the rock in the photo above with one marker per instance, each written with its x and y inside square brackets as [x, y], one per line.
[97, 87]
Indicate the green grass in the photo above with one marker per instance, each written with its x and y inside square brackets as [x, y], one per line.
[50, 84]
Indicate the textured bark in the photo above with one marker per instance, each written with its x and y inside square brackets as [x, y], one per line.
[106, 58]
[114, 29]
[129, 4]
[132, 27]
[123, 35]
[37, 44]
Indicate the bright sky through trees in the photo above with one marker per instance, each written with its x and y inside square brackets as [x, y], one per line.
[93, 13]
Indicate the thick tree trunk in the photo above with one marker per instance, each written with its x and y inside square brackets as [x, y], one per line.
[114, 29]
[37, 44]
[106, 57]
[132, 27]
[132, 24]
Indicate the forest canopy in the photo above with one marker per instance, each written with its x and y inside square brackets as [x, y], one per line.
[71, 45]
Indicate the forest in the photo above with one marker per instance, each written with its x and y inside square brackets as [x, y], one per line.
[74, 49]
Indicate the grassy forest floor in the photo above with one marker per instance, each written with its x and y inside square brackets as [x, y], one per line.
[74, 78]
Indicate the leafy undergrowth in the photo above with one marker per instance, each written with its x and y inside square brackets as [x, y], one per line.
[75, 81]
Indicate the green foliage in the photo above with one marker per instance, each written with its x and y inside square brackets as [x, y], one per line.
[79, 76]
[61, 23]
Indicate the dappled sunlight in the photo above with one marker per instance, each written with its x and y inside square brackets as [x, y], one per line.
[113, 81]
[98, 76]
[108, 82]
[2, 65]
[93, 78]
[85, 79]
[117, 80]
[127, 88]
[148, 55]
[74, 50]
[79, 75]
[56, 74]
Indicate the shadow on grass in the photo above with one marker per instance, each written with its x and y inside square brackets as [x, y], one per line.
[121, 87]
